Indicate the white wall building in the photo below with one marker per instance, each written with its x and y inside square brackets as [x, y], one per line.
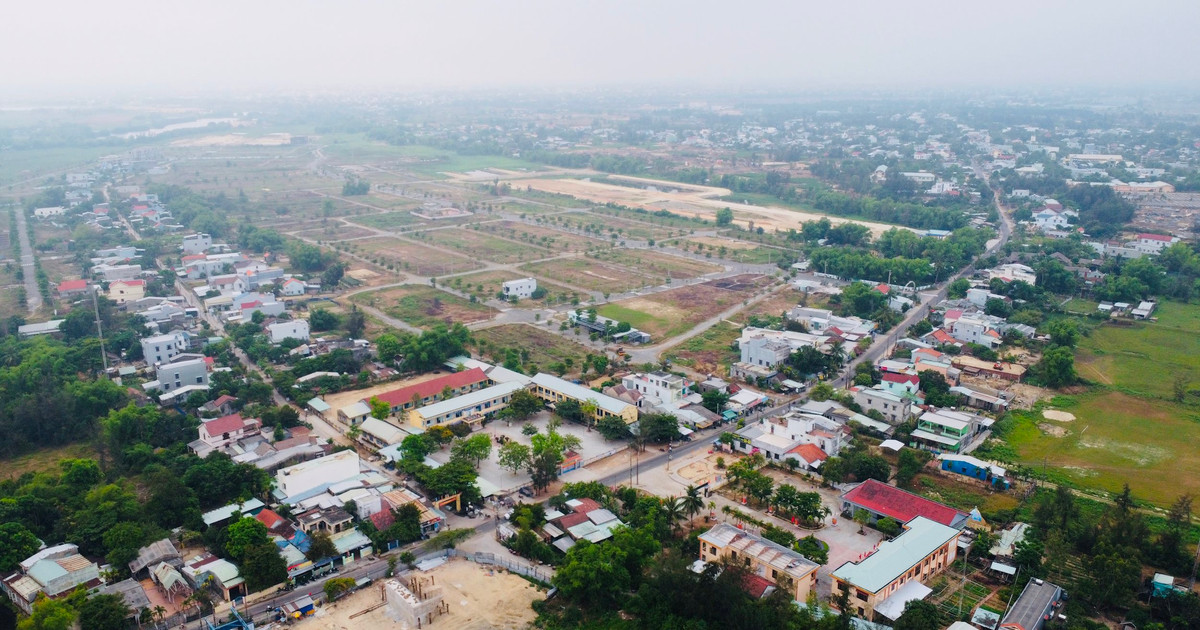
[522, 288]
[972, 330]
[164, 348]
[321, 472]
[183, 373]
[196, 243]
[292, 329]
[660, 388]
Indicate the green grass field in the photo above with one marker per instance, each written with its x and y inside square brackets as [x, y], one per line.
[710, 351]
[542, 348]
[1145, 357]
[418, 158]
[425, 306]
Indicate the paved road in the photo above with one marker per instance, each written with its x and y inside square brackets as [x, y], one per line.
[884, 342]
[33, 296]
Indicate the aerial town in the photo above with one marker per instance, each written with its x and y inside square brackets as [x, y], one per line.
[630, 359]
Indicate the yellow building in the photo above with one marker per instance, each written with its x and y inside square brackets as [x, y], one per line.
[122, 291]
[782, 567]
[554, 390]
[884, 581]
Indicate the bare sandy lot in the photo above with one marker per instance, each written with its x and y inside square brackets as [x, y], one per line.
[1061, 416]
[702, 201]
[236, 140]
[480, 598]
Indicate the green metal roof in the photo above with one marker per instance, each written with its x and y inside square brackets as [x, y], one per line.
[897, 556]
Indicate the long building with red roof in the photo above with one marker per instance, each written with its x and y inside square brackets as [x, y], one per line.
[881, 500]
[427, 392]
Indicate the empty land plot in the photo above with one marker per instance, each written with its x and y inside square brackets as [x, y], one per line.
[542, 236]
[1145, 357]
[412, 257]
[486, 284]
[731, 249]
[425, 306]
[589, 274]
[335, 231]
[710, 352]
[514, 207]
[390, 220]
[543, 347]
[481, 245]
[662, 219]
[674, 312]
[658, 264]
[604, 226]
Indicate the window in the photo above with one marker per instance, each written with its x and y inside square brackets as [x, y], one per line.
[860, 594]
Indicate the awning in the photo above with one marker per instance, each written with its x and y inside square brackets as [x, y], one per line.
[1004, 568]
[894, 445]
[893, 606]
[921, 434]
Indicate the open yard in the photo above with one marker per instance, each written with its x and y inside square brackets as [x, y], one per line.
[425, 306]
[412, 257]
[1145, 357]
[710, 352]
[591, 275]
[673, 312]
[45, 460]
[542, 236]
[537, 348]
[1115, 438]
[481, 245]
[486, 284]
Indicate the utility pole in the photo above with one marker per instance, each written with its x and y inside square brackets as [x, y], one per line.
[99, 331]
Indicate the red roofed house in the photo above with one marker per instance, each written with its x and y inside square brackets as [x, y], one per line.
[901, 384]
[881, 500]
[72, 287]
[941, 338]
[424, 393]
[227, 430]
[122, 291]
[1153, 243]
[883, 288]
[810, 453]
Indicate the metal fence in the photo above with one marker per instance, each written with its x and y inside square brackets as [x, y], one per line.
[490, 559]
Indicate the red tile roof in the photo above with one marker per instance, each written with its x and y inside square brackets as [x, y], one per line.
[225, 424]
[72, 285]
[404, 395]
[130, 283]
[585, 506]
[892, 377]
[1155, 237]
[225, 398]
[903, 506]
[270, 519]
[883, 288]
[383, 519]
[755, 585]
[810, 453]
[571, 520]
[942, 336]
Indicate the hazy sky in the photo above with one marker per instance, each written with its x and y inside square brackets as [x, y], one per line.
[249, 44]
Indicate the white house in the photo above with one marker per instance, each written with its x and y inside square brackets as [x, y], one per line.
[46, 213]
[1047, 219]
[1153, 243]
[1010, 272]
[522, 288]
[894, 408]
[659, 387]
[164, 348]
[313, 474]
[183, 373]
[973, 330]
[226, 430]
[292, 287]
[291, 329]
[196, 243]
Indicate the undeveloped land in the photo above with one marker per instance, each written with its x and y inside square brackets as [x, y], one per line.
[591, 275]
[425, 306]
[664, 266]
[486, 284]
[543, 236]
[673, 312]
[413, 257]
[543, 347]
[480, 245]
[480, 598]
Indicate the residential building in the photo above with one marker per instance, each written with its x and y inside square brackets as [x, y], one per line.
[322, 472]
[895, 409]
[975, 330]
[291, 329]
[1040, 601]
[882, 583]
[122, 291]
[41, 328]
[819, 320]
[293, 287]
[226, 430]
[975, 468]
[426, 392]
[54, 571]
[554, 390]
[1011, 272]
[218, 573]
[603, 326]
[112, 273]
[1152, 244]
[49, 212]
[164, 348]
[472, 407]
[808, 438]
[174, 375]
[902, 385]
[378, 434]
[196, 243]
[522, 288]
[658, 388]
[353, 414]
[764, 348]
[1144, 310]
[432, 518]
[72, 288]
[883, 501]
[762, 558]
[950, 431]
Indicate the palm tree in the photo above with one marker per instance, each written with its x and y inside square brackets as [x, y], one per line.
[673, 507]
[692, 502]
[159, 614]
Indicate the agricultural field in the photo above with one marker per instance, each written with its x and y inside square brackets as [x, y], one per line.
[590, 275]
[674, 312]
[425, 306]
[710, 352]
[542, 236]
[658, 264]
[518, 208]
[481, 245]
[412, 257]
[486, 284]
[1145, 357]
[538, 348]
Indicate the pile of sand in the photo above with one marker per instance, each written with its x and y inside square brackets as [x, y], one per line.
[1060, 416]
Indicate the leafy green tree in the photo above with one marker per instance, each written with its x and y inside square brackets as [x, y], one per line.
[919, 615]
[514, 456]
[594, 575]
[388, 347]
[320, 546]
[336, 587]
[122, 542]
[1056, 368]
[659, 427]
[724, 216]
[320, 320]
[243, 534]
[16, 544]
[871, 467]
[813, 549]
[521, 405]
[380, 409]
[49, 614]
[356, 322]
[613, 427]
[104, 612]
[958, 289]
[888, 526]
[546, 455]
[714, 400]
[474, 449]
[909, 463]
[1063, 332]
[262, 566]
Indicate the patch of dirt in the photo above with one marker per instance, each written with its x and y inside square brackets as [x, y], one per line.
[1060, 416]
[1052, 430]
